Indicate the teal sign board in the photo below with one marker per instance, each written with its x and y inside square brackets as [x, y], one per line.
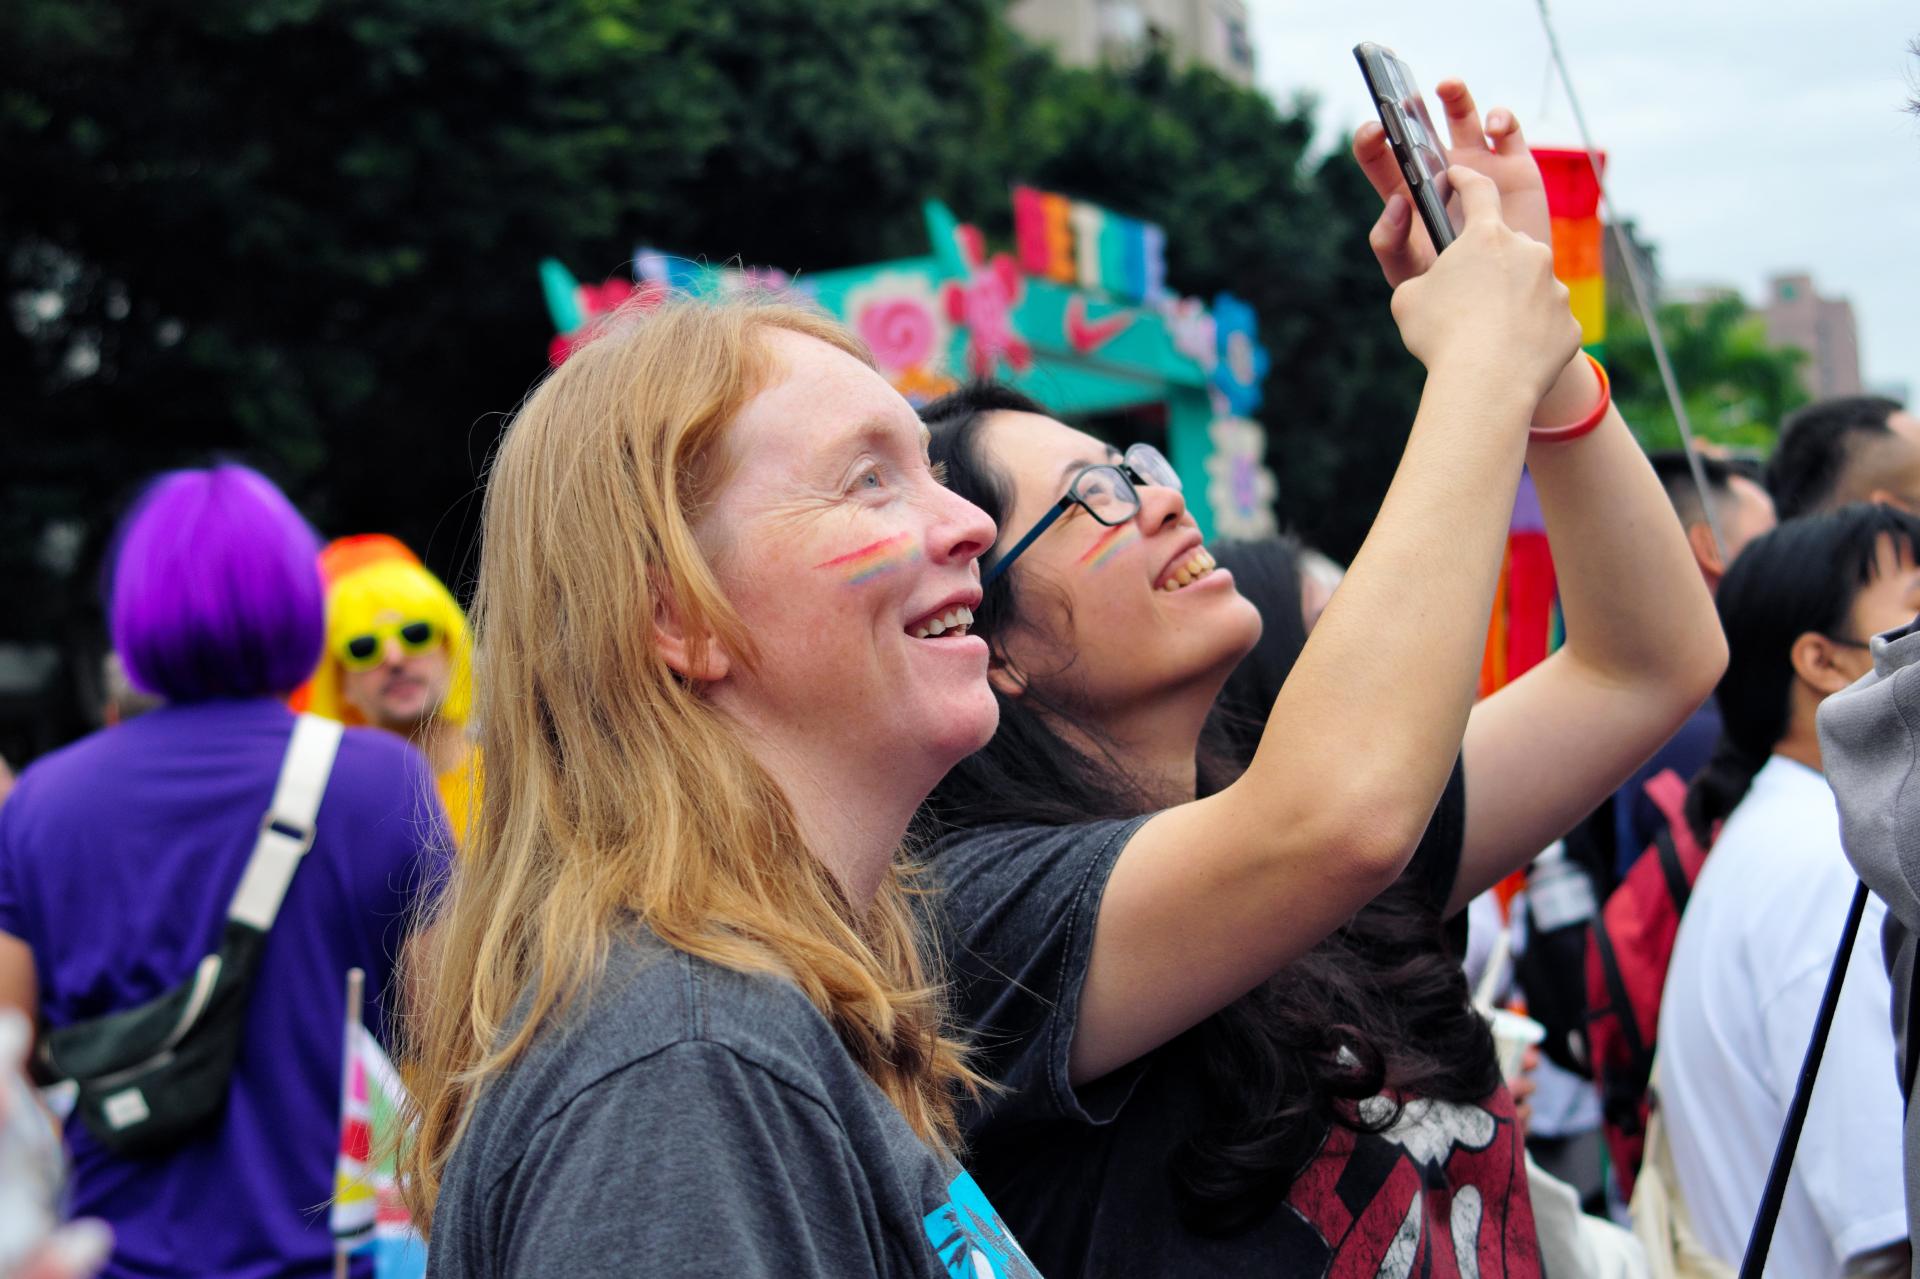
[964, 311]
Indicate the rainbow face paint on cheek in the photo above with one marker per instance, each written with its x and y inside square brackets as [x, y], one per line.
[1109, 543]
[874, 560]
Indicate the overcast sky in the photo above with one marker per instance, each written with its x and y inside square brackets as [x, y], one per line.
[1745, 138]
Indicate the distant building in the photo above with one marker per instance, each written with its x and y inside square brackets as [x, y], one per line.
[1213, 33]
[1645, 260]
[1797, 315]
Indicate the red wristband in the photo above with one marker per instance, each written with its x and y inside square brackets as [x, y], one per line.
[1561, 434]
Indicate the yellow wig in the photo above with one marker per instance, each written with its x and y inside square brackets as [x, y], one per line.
[369, 576]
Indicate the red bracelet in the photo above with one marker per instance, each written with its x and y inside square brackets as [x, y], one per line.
[1561, 434]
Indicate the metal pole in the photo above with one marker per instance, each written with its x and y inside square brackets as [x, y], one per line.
[356, 1000]
[1754, 1263]
[1640, 300]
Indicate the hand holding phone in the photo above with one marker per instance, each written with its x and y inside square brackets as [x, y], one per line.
[1495, 149]
[1416, 144]
[1490, 307]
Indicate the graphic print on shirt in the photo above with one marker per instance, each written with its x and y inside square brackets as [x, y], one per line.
[1442, 1194]
[971, 1240]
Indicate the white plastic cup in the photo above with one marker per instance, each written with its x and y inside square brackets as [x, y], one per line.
[1513, 1034]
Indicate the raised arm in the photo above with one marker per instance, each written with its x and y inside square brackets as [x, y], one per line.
[1643, 648]
[1210, 898]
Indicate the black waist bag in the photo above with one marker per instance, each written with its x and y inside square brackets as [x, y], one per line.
[156, 1074]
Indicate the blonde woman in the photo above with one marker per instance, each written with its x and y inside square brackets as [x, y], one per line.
[674, 1018]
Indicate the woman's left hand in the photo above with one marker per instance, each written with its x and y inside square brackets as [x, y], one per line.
[1495, 149]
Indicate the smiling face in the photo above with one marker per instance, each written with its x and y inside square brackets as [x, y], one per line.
[854, 572]
[1114, 619]
[404, 690]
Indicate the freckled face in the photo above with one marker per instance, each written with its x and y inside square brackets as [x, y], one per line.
[841, 551]
[1099, 621]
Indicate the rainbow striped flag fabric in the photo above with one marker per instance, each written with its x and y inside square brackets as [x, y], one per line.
[1526, 623]
[1579, 256]
[367, 1212]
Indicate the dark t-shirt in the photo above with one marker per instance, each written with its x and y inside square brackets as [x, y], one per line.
[688, 1120]
[1082, 1174]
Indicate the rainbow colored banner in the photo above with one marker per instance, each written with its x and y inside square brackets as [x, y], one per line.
[1526, 623]
[1573, 200]
[1075, 243]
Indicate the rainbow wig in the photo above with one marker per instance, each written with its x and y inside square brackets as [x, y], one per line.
[214, 593]
[368, 575]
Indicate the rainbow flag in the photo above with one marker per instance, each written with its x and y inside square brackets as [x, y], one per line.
[1573, 201]
[367, 1211]
[1526, 623]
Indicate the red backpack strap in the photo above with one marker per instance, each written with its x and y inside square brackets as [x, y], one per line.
[1679, 853]
[1669, 795]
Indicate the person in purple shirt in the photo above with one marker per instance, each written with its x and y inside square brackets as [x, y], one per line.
[119, 856]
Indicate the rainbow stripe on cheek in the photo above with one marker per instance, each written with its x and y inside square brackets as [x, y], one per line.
[1120, 535]
[875, 560]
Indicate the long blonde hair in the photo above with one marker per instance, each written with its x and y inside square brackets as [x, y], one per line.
[616, 795]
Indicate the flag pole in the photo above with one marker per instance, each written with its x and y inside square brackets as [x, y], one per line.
[356, 997]
[1641, 299]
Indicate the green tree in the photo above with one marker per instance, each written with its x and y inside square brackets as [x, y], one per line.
[1735, 384]
[1248, 209]
[304, 233]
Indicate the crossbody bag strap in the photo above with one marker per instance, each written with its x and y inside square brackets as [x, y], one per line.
[286, 832]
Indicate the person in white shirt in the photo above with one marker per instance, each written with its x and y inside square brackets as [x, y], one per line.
[1758, 936]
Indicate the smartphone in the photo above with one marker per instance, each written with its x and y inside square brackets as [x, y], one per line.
[1416, 144]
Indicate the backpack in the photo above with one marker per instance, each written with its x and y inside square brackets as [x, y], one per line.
[1628, 951]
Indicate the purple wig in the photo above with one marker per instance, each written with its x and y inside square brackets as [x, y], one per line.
[216, 588]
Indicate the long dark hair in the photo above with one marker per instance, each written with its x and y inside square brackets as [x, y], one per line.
[1802, 576]
[1378, 1007]
[1267, 572]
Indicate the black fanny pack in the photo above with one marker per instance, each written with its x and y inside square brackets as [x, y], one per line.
[153, 1075]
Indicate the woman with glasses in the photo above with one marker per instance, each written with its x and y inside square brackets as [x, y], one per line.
[1216, 1057]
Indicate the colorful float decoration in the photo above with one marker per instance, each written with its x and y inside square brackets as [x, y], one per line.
[1078, 315]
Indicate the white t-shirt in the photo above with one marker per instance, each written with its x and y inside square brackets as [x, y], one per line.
[1756, 944]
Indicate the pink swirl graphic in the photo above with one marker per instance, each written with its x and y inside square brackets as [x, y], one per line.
[900, 332]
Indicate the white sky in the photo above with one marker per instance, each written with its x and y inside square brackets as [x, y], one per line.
[1746, 138]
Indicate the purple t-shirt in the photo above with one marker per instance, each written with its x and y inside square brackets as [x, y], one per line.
[118, 858]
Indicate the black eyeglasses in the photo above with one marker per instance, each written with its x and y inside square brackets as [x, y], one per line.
[1105, 491]
[1845, 641]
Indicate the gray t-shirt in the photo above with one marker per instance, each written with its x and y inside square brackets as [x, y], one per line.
[1870, 745]
[685, 1119]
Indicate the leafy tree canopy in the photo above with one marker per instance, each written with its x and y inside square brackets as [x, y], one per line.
[1735, 384]
[303, 234]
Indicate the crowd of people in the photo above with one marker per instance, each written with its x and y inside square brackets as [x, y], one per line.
[859, 840]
